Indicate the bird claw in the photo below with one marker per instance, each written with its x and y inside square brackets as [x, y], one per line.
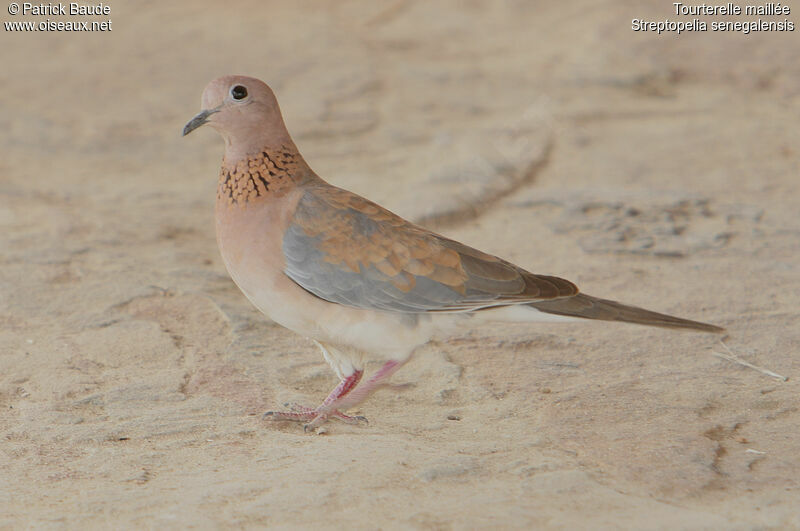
[314, 418]
[299, 408]
[286, 415]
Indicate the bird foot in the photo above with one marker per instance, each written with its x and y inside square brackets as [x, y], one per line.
[345, 395]
[313, 417]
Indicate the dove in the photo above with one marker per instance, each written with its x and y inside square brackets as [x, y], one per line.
[360, 281]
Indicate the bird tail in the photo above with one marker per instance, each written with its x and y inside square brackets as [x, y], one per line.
[588, 307]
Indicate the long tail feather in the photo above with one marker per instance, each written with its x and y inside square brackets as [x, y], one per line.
[588, 307]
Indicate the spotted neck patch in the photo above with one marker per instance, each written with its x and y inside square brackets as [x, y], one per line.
[267, 173]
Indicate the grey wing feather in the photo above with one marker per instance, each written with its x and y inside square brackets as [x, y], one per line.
[347, 250]
[369, 288]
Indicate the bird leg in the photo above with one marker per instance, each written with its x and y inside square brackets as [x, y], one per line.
[358, 395]
[344, 396]
[305, 414]
[378, 380]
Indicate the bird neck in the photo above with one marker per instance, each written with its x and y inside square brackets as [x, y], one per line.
[269, 172]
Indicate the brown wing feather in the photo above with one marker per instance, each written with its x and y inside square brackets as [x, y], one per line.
[347, 249]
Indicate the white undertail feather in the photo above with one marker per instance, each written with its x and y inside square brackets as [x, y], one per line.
[523, 314]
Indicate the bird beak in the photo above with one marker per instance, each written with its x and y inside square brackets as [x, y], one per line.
[197, 121]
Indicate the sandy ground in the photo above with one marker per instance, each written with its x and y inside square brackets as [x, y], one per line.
[660, 171]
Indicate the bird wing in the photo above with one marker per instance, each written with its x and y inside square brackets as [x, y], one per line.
[348, 250]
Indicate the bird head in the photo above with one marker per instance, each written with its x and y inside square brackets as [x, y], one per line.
[245, 112]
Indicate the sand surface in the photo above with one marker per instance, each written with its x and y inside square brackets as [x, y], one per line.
[662, 171]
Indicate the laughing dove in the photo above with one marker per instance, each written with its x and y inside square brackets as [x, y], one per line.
[357, 279]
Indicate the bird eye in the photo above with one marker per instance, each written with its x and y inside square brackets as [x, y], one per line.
[239, 92]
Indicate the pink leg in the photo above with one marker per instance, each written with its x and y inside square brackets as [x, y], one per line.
[344, 387]
[359, 394]
[344, 396]
[377, 381]
[305, 414]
